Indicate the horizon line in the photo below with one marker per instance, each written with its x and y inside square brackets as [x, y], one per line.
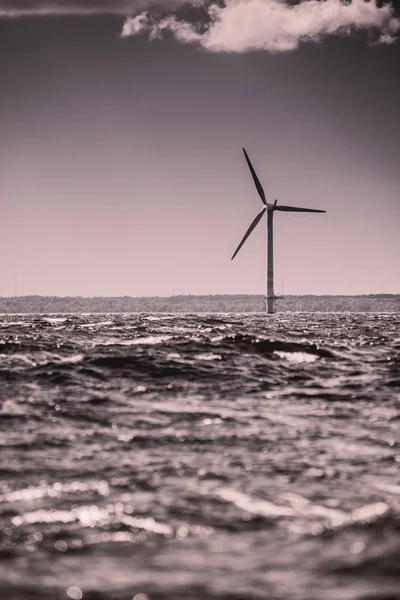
[20, 296]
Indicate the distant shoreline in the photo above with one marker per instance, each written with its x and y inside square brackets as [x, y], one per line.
[202, 303]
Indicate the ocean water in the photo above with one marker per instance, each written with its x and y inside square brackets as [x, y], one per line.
[200, 457]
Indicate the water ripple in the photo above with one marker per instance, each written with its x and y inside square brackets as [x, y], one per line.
[199, 456]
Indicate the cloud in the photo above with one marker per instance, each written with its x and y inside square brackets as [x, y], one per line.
[42, 8]
[228, 25]
[272, 25]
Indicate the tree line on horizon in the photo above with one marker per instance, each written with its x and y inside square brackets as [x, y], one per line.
[211, 303]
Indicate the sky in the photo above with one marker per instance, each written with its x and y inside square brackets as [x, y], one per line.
[121, 132]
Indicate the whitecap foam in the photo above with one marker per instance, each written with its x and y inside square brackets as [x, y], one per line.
[75, 358]
[296, 357]
[54, 319]
[99, 324]
[208, 356]
[150, 340]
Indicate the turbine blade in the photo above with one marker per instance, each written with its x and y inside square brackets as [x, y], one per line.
[298, 209]
[256, 180]
[250, 229]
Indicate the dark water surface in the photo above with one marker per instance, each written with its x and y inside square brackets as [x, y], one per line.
[200, 456]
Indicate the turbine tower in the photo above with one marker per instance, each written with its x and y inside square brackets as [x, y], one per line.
[269, 209]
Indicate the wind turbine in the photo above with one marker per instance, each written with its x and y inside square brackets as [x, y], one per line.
[269, 209]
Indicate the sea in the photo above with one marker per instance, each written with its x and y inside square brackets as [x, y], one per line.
[200, 456]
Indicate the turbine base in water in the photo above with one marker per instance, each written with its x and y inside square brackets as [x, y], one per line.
[271, 303]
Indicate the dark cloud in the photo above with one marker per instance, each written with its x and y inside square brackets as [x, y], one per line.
[25, 8]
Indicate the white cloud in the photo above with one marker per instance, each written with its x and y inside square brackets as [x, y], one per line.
[135, 25]
[233, 25]
[272, 25]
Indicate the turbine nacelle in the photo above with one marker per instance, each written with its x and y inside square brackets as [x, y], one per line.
[272, 206]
